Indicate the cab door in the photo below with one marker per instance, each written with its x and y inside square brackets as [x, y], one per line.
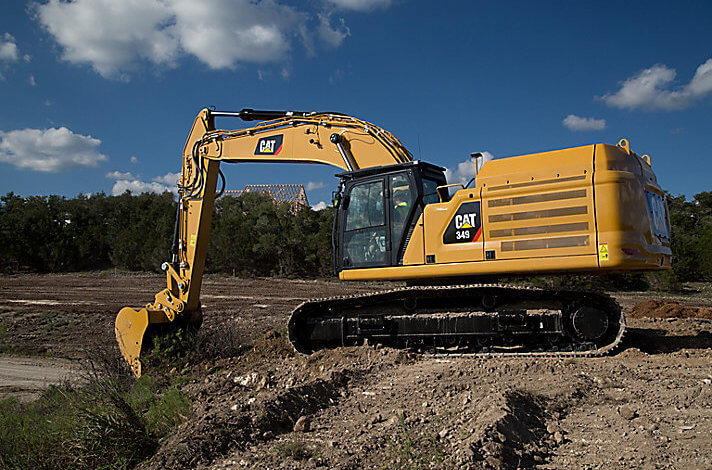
[365, 238]
[401, 202]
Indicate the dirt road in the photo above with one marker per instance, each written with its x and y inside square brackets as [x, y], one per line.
[648, 406]
[25, 377]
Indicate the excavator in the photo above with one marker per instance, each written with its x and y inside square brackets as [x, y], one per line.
[590, 209]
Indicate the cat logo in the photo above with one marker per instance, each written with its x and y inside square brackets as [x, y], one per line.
[465, 220]
[269, 145]
[465, 226]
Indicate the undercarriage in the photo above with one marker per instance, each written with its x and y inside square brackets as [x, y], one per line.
[468, 319]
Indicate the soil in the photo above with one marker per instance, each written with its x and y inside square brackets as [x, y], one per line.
[668, 308]
[24, 378]
[647, 406]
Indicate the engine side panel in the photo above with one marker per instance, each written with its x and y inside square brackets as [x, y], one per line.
[540, 205]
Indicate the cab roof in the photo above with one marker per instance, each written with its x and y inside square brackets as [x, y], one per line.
[377, 170]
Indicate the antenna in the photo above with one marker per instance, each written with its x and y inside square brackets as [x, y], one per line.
[479, 161]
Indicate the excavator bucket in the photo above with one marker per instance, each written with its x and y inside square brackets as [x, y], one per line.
[130, 328]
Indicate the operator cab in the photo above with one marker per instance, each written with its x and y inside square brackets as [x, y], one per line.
[377, 212]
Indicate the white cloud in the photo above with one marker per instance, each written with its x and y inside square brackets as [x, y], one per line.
[652, 89]
[333, 36]
[578, 123]
[312, 185]
[138, 187]
[319, 206]
[133, 159]
[169, 178]
[128, 182]
[111, 36]
[340, 74]
[8, 48]
[222, 33]
[117, 175]
[465, 171]
[285, 73]
[114, 38]
[360, 5]
[49, 150]
[32, 81]
[701, 83]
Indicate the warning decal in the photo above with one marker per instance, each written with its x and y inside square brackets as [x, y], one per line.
[603, 252]
[465, 226]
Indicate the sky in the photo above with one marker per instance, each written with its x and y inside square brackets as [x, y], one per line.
[99, 95]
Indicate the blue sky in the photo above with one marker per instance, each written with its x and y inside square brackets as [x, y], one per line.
[98, 95]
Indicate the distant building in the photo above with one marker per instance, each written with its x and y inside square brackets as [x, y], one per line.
[292, 194]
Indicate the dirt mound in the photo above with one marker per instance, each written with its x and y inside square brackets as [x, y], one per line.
[261, 395]
[668, 308]
[240, 420]
[510, 432]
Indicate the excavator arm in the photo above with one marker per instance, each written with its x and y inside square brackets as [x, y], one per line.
[281, 137]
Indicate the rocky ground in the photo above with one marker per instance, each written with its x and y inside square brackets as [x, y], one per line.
[648, 406]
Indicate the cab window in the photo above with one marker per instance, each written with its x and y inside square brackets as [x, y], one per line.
[366, 206]
[365, 231]
[430, 191]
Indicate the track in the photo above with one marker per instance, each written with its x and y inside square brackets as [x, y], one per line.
[479, 320]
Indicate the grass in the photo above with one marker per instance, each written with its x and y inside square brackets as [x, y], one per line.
[112, 422]
[296, 449]
[408, 451]
[184, 347]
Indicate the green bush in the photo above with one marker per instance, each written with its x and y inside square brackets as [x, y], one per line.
[691, 236]
[253, 236]
[594, 282]
[297, 450]
[108, 423]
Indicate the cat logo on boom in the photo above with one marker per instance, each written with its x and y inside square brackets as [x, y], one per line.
[271, 145]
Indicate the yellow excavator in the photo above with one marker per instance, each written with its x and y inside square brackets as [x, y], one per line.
[590, 209]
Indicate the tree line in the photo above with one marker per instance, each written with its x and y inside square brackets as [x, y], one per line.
[251, 235]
